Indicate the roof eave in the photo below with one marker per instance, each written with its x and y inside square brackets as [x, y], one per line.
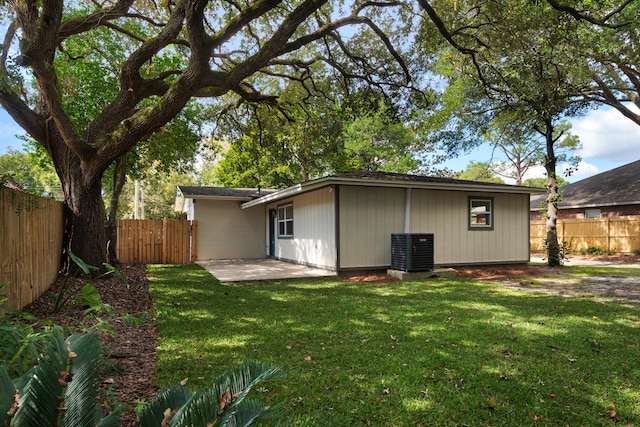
[323, 182]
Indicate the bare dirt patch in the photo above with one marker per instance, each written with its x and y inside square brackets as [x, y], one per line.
[559, 281]
[369, 277]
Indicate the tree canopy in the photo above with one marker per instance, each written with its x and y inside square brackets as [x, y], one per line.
[512, 60]
[169, 53]
[93, 82]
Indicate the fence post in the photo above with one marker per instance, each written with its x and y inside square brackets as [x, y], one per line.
[194, 241]
[165, 243]
[608, 222]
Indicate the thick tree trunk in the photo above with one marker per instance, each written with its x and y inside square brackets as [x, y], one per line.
[84, 212]
[554, 256]
[119, 178]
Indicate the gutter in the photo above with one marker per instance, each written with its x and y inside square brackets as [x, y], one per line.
[362, 182]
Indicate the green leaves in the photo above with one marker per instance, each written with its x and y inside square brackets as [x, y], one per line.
[61, 389]
[7, 396]
[222, 403]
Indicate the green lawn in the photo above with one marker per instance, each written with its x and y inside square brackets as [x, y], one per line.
[440, 352]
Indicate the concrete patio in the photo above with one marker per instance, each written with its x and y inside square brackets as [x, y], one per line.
[244, 270]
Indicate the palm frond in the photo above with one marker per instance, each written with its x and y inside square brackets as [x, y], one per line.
[172, 398]
[201, 409]
[113, 419]
[7, 396]
[82, 389]
[225, 393]
[247, 413]
[41, 390]
[40, 399]
[242, 378]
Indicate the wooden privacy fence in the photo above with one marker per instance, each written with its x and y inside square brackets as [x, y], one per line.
[157, 241]
[617, 234]
[31, 232]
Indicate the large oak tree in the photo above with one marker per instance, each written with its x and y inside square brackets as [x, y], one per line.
[170, 53]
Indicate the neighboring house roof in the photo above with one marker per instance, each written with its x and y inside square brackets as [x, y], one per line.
[387, 179]
[217, 193]
[221, 192]
[7, 181]
[619, 186]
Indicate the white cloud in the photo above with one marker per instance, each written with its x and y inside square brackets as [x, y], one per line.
[607, 135]
[583, 171]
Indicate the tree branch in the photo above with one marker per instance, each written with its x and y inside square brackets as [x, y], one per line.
[596, 21]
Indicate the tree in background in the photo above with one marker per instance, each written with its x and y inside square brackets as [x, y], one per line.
[169, 53]
[512, 60]
[479, 171]
[357, 131]
[375, 140]
[171, 150]
[524, 148]
[33, 175]
[275, 148]
[542, 182]
[607, 42]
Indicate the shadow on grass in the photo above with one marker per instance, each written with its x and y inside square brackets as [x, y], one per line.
[437, 352]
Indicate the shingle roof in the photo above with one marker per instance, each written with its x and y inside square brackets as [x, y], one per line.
[243, 193]
[400, 177]
[619, 186]
[387, 179]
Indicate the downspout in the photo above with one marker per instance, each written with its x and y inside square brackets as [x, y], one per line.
[407, 210]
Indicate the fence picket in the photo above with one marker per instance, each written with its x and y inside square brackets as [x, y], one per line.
[616, 234]
[156, 241]
[31, 230]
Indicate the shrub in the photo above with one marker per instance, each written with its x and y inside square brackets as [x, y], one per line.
[20, 342]
[592, 250]
[63, 387]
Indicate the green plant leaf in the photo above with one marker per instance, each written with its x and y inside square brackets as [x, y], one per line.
[172, 397]
[40, 388]
[112, 270]
[248, 412]
[90, 296]
[235, 383]
[82, 389]
[111, 420]
[86, 268]
[7, 395]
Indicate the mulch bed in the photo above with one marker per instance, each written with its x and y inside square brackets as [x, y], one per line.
[130, 349]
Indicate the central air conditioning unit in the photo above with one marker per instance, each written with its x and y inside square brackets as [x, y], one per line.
[412, 252]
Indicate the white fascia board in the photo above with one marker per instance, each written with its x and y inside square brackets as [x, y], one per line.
[363, 182]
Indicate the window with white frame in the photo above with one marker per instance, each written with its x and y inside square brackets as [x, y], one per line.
[480, 213]
[592, 213]
[285, 220]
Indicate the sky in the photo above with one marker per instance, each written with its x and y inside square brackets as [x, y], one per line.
[608, 140]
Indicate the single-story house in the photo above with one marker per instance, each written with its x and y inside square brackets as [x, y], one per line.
[612, 193]
[345, 221]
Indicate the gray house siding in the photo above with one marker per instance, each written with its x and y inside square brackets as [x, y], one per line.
[313, 241]
[446, 214]
[226, 232]
[368, 216]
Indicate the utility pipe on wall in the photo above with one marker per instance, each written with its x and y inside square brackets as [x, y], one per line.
[407, 210]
